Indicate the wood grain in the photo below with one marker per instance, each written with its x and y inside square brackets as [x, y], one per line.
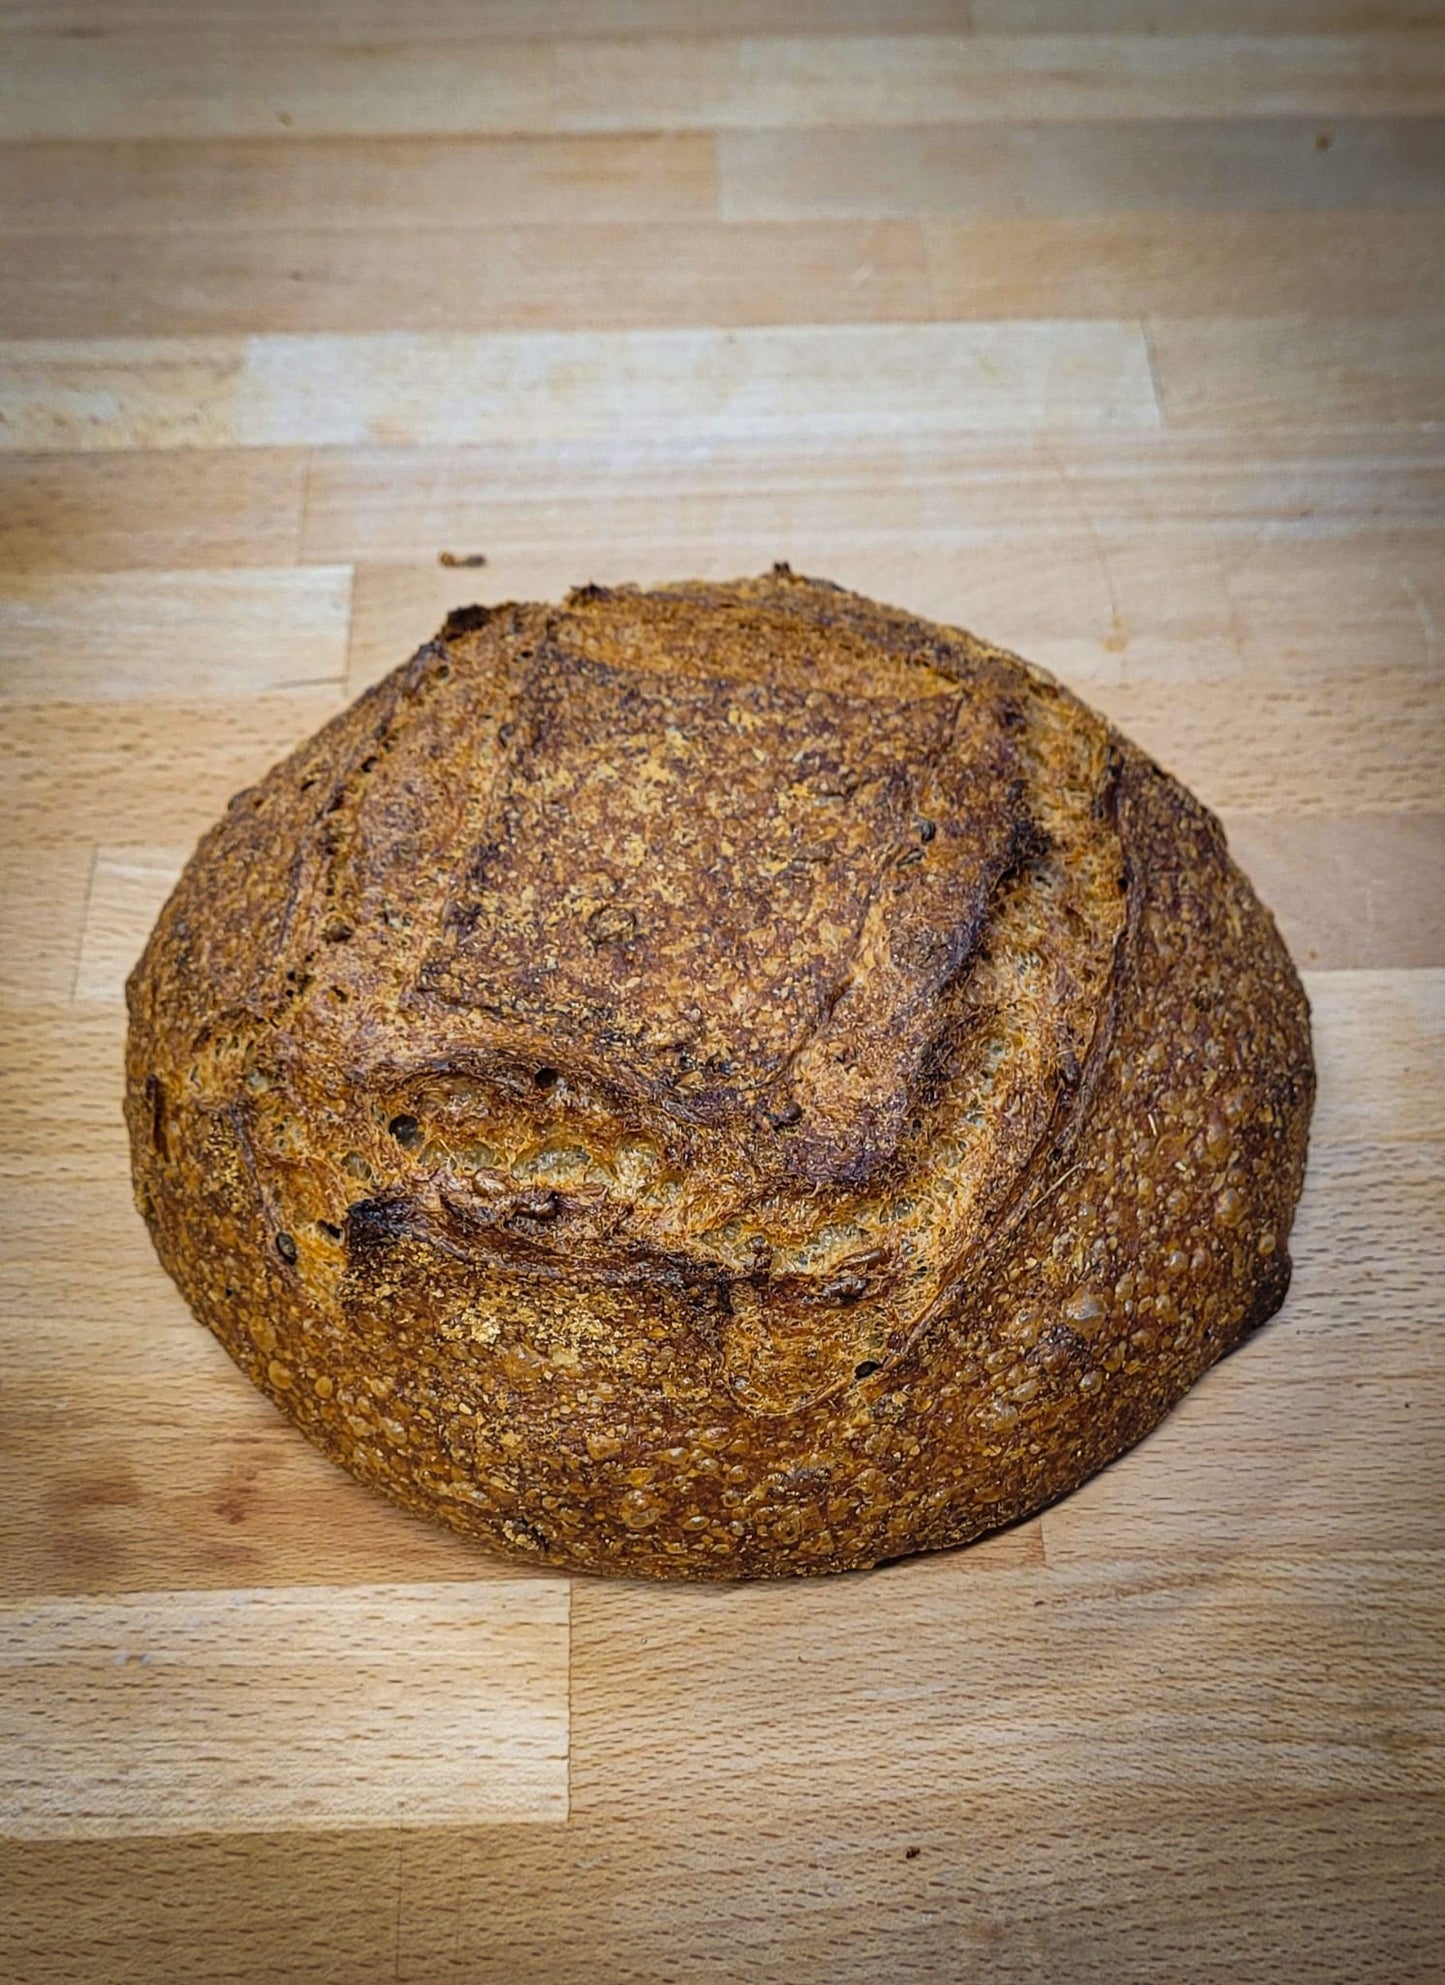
[397, 388]
[1272, 371]
[1377, 741]
[1110, 330]
[1173, 263]
[1110, 604]
[43, 897]
[942, 79]
[450, 20]
[1179, 165]
[166, 186]
[459, 1716]
[1146, 1883]
[661, 275]
[1350, 893]
[141, 82]
[1379, 1036]
[1297, 17]
[60, 1090]
[446, 20]
[472, 277]
[128, 885]
[157, 773]
[739, 503]
[186, 508]
[168, 1471]
[745, 500]
[236, 633]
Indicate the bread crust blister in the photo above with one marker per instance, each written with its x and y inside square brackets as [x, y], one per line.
[723, 1081]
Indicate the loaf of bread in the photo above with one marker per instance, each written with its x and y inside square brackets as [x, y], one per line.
[718, 1082]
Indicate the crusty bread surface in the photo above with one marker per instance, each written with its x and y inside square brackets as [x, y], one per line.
[722, 1081]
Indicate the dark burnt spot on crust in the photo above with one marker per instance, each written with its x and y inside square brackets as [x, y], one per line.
[155, 1095]
[380, 1222]
[465, 620]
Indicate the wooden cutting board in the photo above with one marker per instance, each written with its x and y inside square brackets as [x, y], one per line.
[1122, 348]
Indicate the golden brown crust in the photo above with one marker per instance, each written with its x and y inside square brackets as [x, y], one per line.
[717, 1082]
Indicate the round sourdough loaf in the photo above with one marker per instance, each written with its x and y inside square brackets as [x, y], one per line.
[718, 1082]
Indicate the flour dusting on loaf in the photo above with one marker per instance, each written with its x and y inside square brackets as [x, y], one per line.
[720, 1081]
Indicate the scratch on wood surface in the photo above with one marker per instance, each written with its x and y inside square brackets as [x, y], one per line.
[1423, 615]
[1117, 640]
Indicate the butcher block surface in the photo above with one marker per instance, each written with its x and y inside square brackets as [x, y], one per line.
[1113, 332]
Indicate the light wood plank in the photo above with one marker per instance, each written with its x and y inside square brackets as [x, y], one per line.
[478, 277]
[168, 186]
[43, 900]
[1252, 372]
[61, 1083]
[399, 388]
[181, 1476]
[669, 508]
[1368, 1246]
[391, 1705]
[145, 82]
[1270, 1463]
[1144, 1883]
[1110, 608]
[1373, 741]
[104, 512]
[1378, 1042]
[1294, 17]
[152, 83]
[159, 773]
[127, 888]
[1171, 1664]
[1176, 165]
[64, 1238]
[129, 393]
[445, 20]
[660, 275]
[119, 636]
[1097, 606]
[946, 79]
[1169, 263]
[452, 20]
[660, 501]
[1350, 894]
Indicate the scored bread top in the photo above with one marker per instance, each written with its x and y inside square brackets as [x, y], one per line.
[748, 933]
